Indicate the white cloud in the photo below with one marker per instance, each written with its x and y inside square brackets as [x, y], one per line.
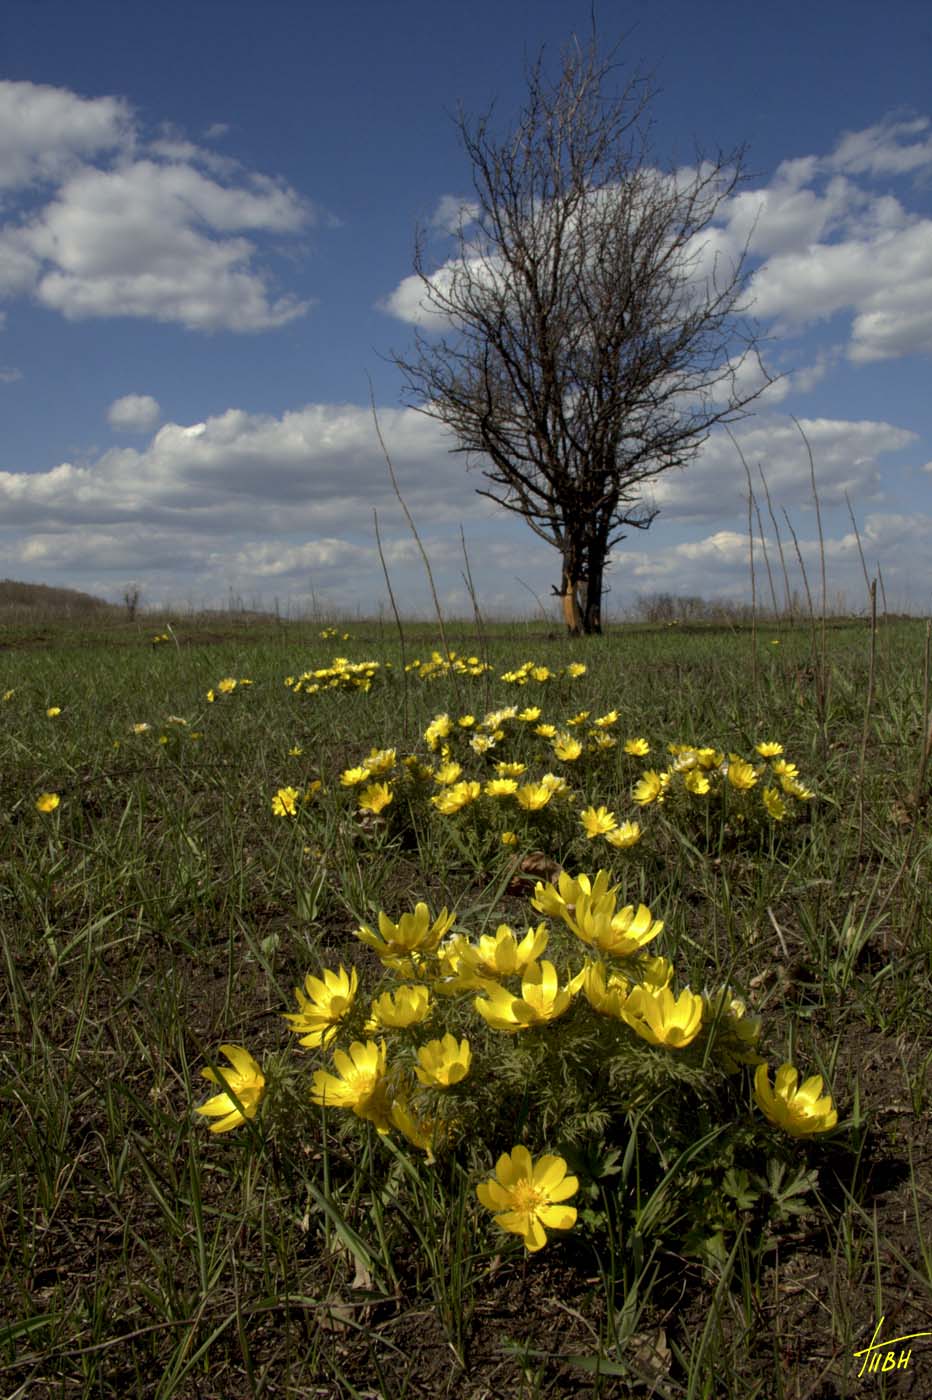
[9, 375]
[134, 413]
[885, 149]
[45, 130]
[318, 468]
[159, 235]
[257, 502]
[845, 455]
[450, 210]
[823, 240]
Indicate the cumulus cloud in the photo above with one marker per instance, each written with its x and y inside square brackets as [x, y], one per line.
[164, 230]
[45, 130]
[134, 413]
[845, 454]
[821, 241]
[317, 468]
[451, 211]
[260, 502]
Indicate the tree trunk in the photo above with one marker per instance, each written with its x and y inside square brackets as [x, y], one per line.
[592, 612]
[569, 593]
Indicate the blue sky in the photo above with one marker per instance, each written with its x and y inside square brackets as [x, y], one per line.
[207, 217]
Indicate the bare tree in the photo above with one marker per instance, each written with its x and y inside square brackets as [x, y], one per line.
[131, 600]
[597, 336]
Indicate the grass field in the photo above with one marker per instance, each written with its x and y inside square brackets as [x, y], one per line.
[163, 909]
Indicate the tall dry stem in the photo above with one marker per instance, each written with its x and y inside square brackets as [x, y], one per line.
[483, 644]
[822, 681]
[868, 702]
[401, 630]
[417, 540]
[788, 598]
[754, 671]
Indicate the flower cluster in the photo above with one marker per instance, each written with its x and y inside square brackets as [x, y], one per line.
[399, 1066]
[530, 671]
[438, 666]
[707, 776]
[226, 687]
[341, 674]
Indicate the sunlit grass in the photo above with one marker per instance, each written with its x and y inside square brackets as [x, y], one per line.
[204, 858]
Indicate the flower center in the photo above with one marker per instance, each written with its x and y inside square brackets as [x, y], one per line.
[527, 1196]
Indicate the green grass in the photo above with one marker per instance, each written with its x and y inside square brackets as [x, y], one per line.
[163, 910]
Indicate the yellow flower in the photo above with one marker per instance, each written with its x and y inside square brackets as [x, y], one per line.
[579, 718]
[352, 777]
[783, 769]
[413, 933]
[655, 973]
[661, 1018]
[8, 694]
[141, 728]
[510, 770]
[796, 789]
[47, 801]
[53, 710]
[227, 685]
[567, 748]
[375, 797]
[328, 1000]
[296, 752]
[542, 999]
[802, 1110]
[359, 1084]
[774, 804]
[628, 834]
[528, 1195]
[649, 788]
[533, 796]
[606, 721]
[420, 1130]
[457, 796]
[438, 729]
[618, 935]
[245, 1083]
[283, 803]
[466, 721]
[553, 784]
[737, 1033]
[769, 750]
[696, 782]
[529, 715]
[407, 1006]
[605, 991]
[502, 955]
[546, 731]
[637, 747]
[442, 1063]
[500, 787]
[556, 902]
[741, 775]
[576, 669]
[597, 821]
[381, 761]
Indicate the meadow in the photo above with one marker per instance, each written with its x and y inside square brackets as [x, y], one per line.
[193, 827]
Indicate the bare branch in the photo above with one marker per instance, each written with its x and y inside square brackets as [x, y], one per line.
[591, 340]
